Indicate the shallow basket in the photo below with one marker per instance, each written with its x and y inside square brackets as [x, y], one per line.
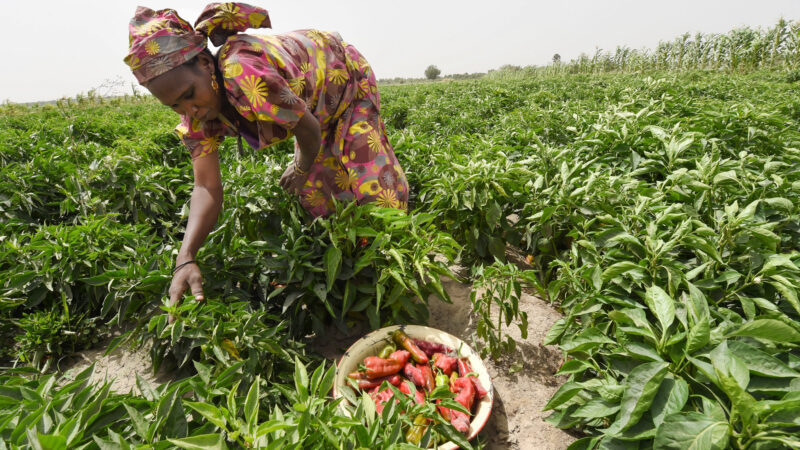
[373, 342]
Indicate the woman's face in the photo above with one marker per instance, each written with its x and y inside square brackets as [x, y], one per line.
[187, 90]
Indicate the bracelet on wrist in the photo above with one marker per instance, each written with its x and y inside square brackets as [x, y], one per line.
[181, 265]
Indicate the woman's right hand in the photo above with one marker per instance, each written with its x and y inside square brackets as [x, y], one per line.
[188, 276]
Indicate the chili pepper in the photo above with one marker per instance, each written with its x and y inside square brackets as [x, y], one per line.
[419, 397]
[363, 242]
[442, 380]
[401, 356]
[459, 420]
[380, 398]
[465, 392]
[357, 375]
[379, 367]
[463, 367]
[479, 390]
[405, 342]
[415, 433]
[414, 374]
[446, 413]
[427, 375]
[529, 259]
[432, 347]
[447, 364]
[387, 350]
[369, 384]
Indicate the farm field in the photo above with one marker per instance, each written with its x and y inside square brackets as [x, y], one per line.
[656, 213]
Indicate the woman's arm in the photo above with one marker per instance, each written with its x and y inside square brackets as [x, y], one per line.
[309, 139]
[204, 209]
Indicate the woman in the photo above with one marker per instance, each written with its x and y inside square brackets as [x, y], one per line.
[308, 84]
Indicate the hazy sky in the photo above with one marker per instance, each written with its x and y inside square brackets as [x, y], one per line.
[61, 48]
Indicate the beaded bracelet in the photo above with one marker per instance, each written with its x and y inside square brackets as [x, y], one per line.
[179, 266]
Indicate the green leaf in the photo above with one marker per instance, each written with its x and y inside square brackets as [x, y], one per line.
[761, 363]
[333, 264]
[671, 397]
[596, 408]
[768, 329]
[691, 430]
[251, 405]
[300, 379]
[642, 385]
[699, 335]
[563, 394]
[214, 441]
[209, 411]
[661, 305]
[587, 339]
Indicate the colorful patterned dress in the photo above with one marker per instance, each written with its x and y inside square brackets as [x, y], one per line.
[272, 79]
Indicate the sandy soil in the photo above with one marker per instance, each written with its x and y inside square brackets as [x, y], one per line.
[517, 417]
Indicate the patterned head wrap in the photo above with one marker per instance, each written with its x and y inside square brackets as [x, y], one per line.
[160, 40]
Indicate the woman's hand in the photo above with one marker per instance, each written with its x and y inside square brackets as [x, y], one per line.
[188, 276]
[292, 180]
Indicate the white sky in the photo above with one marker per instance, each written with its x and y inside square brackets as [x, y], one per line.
[52, 48]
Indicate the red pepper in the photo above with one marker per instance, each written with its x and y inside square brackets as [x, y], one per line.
[379, 367]
[414, 374]
[479, 390]
[380, 398]
[402, 339]
[432, 347]
[463, 367]
[447, 364]
[465, 392]
[419, 397]
[446, 413]
[459, 420]
[357, 375]
[427, 374]
[401, 356]
[370, 384]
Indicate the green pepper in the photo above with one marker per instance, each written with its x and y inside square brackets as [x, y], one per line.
[442, 380]
[387, 350]
[415, 433]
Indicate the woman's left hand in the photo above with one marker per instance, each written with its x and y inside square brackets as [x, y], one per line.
[292, 180]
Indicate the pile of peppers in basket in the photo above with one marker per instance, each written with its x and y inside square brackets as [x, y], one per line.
[427, 365]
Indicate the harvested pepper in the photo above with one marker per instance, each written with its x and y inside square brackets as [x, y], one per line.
[380, 367]
[464, 367]
[419, 397]
[380, 398]
[442, 380]
[402, 356]
[427, 377]
[417, 430]
[447, 364]
[465, 392]
[387, 350]
[407, 343]
[370, 384]
[414, 374]
[431, 347]
[357, 375]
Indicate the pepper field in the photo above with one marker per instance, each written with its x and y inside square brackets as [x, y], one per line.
[658, 210]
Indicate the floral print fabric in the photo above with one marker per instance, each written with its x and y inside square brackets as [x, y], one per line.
[160, 40]
[271, 80]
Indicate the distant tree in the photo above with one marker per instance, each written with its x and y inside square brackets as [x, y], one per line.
[556, 58]
[432, 72]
